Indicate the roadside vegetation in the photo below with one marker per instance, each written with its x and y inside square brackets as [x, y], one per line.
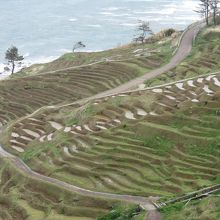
[207, 208]
[23, 198]
[124, 213]
[203, 59]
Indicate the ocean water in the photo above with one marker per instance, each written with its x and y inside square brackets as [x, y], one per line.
[45, 29]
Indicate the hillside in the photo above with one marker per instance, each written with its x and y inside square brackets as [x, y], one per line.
[90, 154]
[85, 145]
[203, 59]
[206, 209]
[26, 198]
[70, 84]
[141, 57]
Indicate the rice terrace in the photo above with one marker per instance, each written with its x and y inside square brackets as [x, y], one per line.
[130, 133]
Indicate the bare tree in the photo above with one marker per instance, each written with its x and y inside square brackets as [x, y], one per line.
[214, 9]
[78, 45]
[13, 57]
[143, 30]
[204, 10]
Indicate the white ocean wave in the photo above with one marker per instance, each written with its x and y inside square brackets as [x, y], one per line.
[26, 55]
[165, 11]
[3, 74]
[41, 59]
[129, 24]
[94, 25]
[121, 15]
[63, 51]
[26, 63]
[111, 9]
[53, 29]
[106, 13]
[73, 19]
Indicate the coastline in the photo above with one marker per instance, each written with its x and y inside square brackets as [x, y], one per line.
[27, 63]
[40, 60]
[43, 60]
[113, 23]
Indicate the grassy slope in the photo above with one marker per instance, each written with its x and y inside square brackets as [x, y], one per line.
[206, 209]
[177, 151]
[23, 198]
[174, 152]
[124, 213]
[20, 191]
[203, 59]
[161, 48]
[22, 95]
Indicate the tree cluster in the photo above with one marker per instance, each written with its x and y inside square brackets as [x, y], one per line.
[209, 8]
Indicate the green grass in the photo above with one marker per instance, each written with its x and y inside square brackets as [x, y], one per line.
[77, 117]
[34, 151]
[122, 213]
[198, 150]
[172, 153]
[204, 58]
[160, 144]
[25, 198]
[122, 53]
[35, 87]
[207, 208]
[174, 208]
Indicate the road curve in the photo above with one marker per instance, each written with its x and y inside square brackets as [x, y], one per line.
[184, 49]
[18, 163]
[153, 215]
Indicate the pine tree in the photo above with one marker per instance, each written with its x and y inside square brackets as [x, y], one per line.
[143, 30]
[13, 56]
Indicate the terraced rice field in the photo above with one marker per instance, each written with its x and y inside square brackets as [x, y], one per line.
[31, 93]
[160, 45]
[25, 198]
[159, 142]
[203, 59]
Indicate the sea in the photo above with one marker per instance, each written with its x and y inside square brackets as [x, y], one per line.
[43, 30]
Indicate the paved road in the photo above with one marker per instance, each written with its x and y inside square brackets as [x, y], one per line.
[17, 162]
[153, 215]
[184, 49]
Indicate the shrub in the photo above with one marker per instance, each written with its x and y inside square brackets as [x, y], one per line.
[169, 32]
[120, 213]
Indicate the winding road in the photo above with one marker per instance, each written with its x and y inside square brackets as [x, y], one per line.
[17, 162]
[184, 49]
